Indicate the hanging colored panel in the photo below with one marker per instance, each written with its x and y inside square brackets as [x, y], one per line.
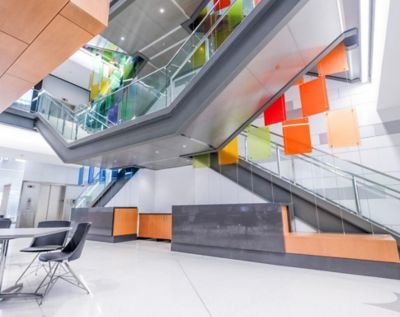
[201, 161]
[275, 112]
[299, 81]
[335, 62]
[258, 143]
[229, 154]
[235, 15]
[314, 97]
[102, 176]
[343, 130]
[221, 4]
[114, 175]
[91, 175]
[80, 176]
[256, 2]
[296, 136]
[199, 57]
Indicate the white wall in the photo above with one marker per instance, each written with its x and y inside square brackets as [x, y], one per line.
[158, 191]
[58, 174]
[61, 89]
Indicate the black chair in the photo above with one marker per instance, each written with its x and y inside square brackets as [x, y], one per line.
[47, 243]
[59, 260]
[5, 223]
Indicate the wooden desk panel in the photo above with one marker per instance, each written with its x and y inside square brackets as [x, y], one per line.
[378, 247]
[155, 226]
[125, 221]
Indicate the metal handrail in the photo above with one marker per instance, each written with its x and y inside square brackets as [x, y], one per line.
[347, 161]
[335, 169]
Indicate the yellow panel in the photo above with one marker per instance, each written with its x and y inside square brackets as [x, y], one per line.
[230, 153]
[104, 86]
[343, 130]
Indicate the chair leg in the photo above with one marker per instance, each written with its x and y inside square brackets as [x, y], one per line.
[27, 268]
[50, 275]
[78, 280]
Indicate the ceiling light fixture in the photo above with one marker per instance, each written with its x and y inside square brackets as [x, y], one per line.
[365, 18]
[122, 38]
[162, 10]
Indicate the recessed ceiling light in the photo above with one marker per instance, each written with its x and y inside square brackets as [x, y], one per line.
[157, 152]
[122, 38]
[184, 146]
[162, 10]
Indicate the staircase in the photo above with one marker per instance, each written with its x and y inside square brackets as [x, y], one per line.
[328, 193]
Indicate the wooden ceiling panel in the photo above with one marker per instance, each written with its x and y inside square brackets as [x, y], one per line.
[10, 49]
[11, 88]
[26, 19]
[54, 45]
[91, 15]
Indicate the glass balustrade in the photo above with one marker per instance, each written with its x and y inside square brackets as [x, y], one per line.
[335, 181]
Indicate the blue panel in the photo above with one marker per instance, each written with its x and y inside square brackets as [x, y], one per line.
[80, 176]
[91, 175]
[128, 173]
[102, 176]
[114, 175]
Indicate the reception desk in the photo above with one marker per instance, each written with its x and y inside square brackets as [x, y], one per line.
[109, 224]
[155, 226]
[262, 233]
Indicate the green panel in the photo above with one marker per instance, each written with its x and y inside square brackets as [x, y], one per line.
[235, 14]
[258, 143]
[199, 57]
[201, 161]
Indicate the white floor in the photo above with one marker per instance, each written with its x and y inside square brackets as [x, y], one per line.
[143, 278]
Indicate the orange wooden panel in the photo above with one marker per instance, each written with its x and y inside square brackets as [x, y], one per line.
[369, 247]
[90, 15]
[24, 20]
[314, 97]
[11, 88]
[335, 62]
[54, 45]
[343, 130]
[155, 226]
[125, 221]
[296, 136]
[230, 153]
[10, 49]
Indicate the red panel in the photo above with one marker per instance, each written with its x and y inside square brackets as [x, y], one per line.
[276, 112]
[222, 4]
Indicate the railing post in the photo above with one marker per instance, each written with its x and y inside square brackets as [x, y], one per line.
[246, 155]
[278, 161]
[357, 196]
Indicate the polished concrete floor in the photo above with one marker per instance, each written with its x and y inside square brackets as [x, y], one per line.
[143, 278]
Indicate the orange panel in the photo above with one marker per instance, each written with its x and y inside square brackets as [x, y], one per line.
[155, 226]
[299, 81]
[10, 49]
[314, 98]
[24, 20]
[11, 88]
[335, 62]
[54, 45]
[125, 221]
[230, 153]
[343, 128]
[296, 136]
[90, 15]
[369, 247]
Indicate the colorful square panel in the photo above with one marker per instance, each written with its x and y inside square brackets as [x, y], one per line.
[221, 4]
[335, 62]
[276, 112]
[314, 97]
[201, 161]
[229, 154]
[258, 143]
[299, 81]
[296, 136]
[343, 130]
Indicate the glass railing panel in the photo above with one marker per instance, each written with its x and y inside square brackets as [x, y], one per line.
[379, 205]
